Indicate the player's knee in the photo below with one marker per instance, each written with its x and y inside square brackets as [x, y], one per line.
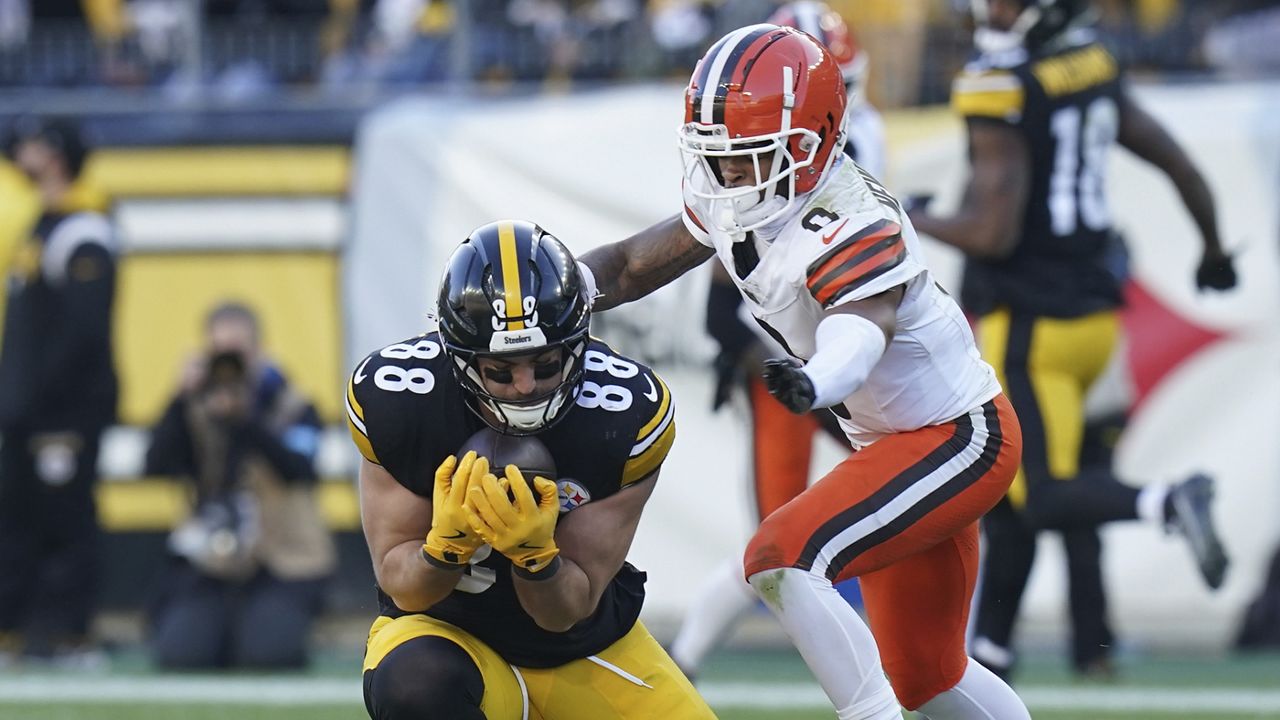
[764, 552]
[426, 678]
[916, 688]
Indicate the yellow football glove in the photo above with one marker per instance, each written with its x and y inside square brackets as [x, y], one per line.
[519, 526]
[452, 542]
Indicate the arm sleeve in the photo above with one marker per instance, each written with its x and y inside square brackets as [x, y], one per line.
[85, 284]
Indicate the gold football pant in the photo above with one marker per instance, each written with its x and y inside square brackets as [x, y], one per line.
[631, 679]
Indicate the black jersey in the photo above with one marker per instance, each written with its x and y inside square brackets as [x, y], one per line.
[407, 413]
[56, 367]
[1066, 105]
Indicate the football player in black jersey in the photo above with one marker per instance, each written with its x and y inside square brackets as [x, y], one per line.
[532, 613]
[1043, 103]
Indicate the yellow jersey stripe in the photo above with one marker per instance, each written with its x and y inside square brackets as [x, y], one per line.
[511, 274]
[352, 403]
[662, 409]
[362, 442]
[998, 95]
[641, 466]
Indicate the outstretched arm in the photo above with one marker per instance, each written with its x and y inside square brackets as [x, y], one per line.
[632, 268]
[989, 220]
[1145, 137]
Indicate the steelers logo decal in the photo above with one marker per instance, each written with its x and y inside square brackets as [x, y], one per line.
[572, 495]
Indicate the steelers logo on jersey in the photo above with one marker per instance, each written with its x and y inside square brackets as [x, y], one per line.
[572, 495]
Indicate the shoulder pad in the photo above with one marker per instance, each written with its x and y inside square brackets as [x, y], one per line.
[386, 380]
[635, 397]
[856, 256]
[989, 93]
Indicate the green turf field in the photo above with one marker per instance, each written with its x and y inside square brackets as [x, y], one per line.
[741, 685]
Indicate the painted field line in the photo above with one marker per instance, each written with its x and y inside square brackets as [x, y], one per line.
[214, 690]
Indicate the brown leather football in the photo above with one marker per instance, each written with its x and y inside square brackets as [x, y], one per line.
[525, 452]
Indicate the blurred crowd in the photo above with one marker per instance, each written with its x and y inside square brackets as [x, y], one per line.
[244, 49]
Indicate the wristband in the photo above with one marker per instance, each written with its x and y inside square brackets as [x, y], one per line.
[544, 574]
[441, 564]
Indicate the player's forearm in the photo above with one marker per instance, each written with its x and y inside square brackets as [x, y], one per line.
[1199, 201]
[412, 583]
[628, 270]
[968, 231]
[559, 602]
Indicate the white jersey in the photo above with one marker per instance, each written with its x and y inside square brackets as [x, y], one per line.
[849, 241]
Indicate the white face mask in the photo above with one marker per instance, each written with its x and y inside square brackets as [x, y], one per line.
[528, 417]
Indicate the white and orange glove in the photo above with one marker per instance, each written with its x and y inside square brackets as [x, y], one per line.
[451, 541]
[518, 524]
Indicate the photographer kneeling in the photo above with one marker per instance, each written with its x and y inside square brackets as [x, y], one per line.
[249, 564]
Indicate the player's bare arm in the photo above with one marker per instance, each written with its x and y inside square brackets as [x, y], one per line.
[594, 540]
[989, 220]
[632, 268]
[1145, 137]
[395, 521]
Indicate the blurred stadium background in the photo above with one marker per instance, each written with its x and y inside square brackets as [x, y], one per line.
[319, 158]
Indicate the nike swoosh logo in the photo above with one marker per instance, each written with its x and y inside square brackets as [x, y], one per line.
[653, 391]
[826, 239]
[527, 546]
[459, 534]
[360, 371]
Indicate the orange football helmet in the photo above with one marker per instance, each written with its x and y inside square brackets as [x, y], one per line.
[770, 93]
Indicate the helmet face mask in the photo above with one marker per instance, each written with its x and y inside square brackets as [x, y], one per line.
[528, 416]
[771, 94]
[745, 207]
[512, 291]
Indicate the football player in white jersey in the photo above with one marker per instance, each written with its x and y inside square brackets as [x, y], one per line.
[781, 443]
[826, 259]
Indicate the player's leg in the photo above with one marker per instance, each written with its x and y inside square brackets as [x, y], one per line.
[1010, 552]
[419, 668]
[918, 608]
[1049, 365]
[68, 598]
[722, 599]
[1091, 638]
[21, 545]
[781, 448]
[632, 679]
[898, 497]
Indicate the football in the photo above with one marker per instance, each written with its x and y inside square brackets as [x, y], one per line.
[525, 452]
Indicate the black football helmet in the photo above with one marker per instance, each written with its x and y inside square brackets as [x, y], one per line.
[1038, 27]
[511, 288]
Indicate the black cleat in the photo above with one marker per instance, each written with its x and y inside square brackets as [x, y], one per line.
[1188, 513]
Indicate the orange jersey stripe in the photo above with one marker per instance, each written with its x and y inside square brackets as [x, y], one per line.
[851, 247]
